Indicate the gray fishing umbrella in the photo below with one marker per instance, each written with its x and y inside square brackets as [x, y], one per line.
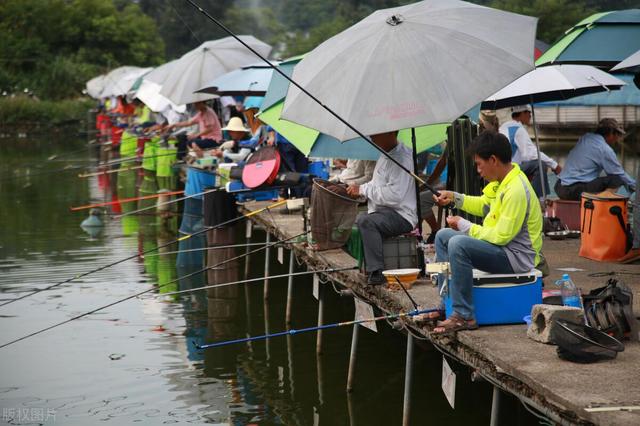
[631, 64]
[209, 60]
[252, 80]
[119, 81]
[552, 83]
[409, 66]
[95, 86]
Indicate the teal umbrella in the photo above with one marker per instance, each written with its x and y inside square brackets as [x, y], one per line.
[602, 40]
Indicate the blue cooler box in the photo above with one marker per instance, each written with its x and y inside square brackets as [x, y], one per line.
[502, 298]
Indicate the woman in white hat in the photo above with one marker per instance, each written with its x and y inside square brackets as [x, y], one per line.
[233, 150]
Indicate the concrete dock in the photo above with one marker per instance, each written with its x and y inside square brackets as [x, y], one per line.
[605, 393]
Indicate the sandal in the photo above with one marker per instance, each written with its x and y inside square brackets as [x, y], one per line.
[455, 323]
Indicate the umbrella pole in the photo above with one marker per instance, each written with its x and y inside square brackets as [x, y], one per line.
[420, 253]
[541, 169]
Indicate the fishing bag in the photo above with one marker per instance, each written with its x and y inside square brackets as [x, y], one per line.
[605, 232]
[610, 309]
[333, 213]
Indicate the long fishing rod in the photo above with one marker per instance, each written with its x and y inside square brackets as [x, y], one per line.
[316, 100]
[320, 327]
[107, 172]
[165, 203]
[205, 249]
[126, 159]
[293, 274]
[185, 237]
[44, 172]
[124, 200]
[146, 291]
[56, 156]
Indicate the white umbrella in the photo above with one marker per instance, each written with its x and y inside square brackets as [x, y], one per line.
[423, 63]
[95, 86]
[631, 64]
[552, 83]
[208, 61]
[160, 74]
[149, 94]
[120, 80]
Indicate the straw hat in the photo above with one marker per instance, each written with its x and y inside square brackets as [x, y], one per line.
[235, 125]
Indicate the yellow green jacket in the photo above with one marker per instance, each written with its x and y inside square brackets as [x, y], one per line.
[512, 218]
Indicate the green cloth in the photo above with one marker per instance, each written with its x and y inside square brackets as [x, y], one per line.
[150, 149]
[164, 161]
[128, 145]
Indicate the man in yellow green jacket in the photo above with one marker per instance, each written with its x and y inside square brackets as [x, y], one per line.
[509, 239]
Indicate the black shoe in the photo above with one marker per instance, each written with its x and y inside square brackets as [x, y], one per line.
[376, 278]
[431, 238]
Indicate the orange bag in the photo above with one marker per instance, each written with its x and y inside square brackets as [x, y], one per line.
[606, 234]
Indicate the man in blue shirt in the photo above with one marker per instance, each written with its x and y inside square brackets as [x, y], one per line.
[589, 158]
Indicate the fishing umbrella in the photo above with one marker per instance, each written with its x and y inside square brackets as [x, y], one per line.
[252, 80]
[539, 48]
[602, 40]
[424, 63]
[631, 64]
[209, 60]
[149, 94]
[119, 81]
[552, 83]
[95, 86]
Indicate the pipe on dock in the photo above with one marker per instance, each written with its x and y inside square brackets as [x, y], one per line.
[266, 266]
[320, 318]
[496, 402]
[292, 259]
[408, 380]
[352, 357]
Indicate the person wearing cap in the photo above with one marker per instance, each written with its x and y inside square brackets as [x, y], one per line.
[591, 156]
[523, 150]
[236, 149]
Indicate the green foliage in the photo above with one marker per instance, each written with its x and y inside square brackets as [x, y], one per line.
[555, 16]
[54, 46]
[23, 109]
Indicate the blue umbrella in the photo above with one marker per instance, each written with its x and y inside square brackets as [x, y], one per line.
[252, 80]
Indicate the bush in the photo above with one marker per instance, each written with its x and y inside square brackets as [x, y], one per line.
[22, 109]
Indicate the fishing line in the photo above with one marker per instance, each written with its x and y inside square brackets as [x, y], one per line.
[205, 248]
[185, 237]
[316, 100]
[125, 200]
[294, 274]
[166, 203]
[308, 329]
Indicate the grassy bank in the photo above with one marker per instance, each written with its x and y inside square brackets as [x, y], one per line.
[23, 110]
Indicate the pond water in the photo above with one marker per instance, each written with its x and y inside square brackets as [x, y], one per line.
[137, 362]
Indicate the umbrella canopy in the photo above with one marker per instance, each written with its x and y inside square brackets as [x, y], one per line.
[423, 63]
[209, 60]
[149, 94]
[120, 80]
[318, 145]
[602, 40]
[252, 80]
[95, 86]
[279, 85]
[539, 48]
[552, 83]
[631, 64]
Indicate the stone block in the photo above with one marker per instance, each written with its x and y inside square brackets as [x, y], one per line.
[542, 317]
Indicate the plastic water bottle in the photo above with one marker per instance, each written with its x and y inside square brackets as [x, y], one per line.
[569, 291]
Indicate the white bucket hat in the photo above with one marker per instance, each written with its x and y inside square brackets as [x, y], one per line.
[521, 108]
[235, 125]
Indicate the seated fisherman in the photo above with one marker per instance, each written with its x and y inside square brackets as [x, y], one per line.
[391, 199]
[209, 132]
[354, 171]
[589, 158]
[509, 239]
[238, 148]
[523, 150]
[426, 197]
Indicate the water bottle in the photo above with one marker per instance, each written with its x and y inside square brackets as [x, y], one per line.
[569, 291]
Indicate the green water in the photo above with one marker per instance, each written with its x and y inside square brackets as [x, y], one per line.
[137, 362]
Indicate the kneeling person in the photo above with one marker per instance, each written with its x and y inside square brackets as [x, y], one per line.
[509, 239]
[391, 199]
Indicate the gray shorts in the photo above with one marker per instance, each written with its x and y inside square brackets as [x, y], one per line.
[426, 203]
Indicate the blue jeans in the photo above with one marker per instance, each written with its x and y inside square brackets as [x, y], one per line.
[465, 253]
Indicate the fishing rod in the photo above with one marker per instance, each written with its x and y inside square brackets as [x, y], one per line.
[293, 274]
[165, 203]
[55, 156]
[184, 237]
[293, 332]
[124, 200]
[142, 157]
[107, 172]
[67, 168]
[316, 100]
[205, 249]
[138, 294]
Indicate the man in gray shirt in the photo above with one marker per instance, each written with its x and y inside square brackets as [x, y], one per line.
[391, 196]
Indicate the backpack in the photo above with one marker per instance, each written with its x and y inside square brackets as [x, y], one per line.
[610, 309]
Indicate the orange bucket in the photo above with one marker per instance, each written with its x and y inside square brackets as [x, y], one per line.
[604, 226]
